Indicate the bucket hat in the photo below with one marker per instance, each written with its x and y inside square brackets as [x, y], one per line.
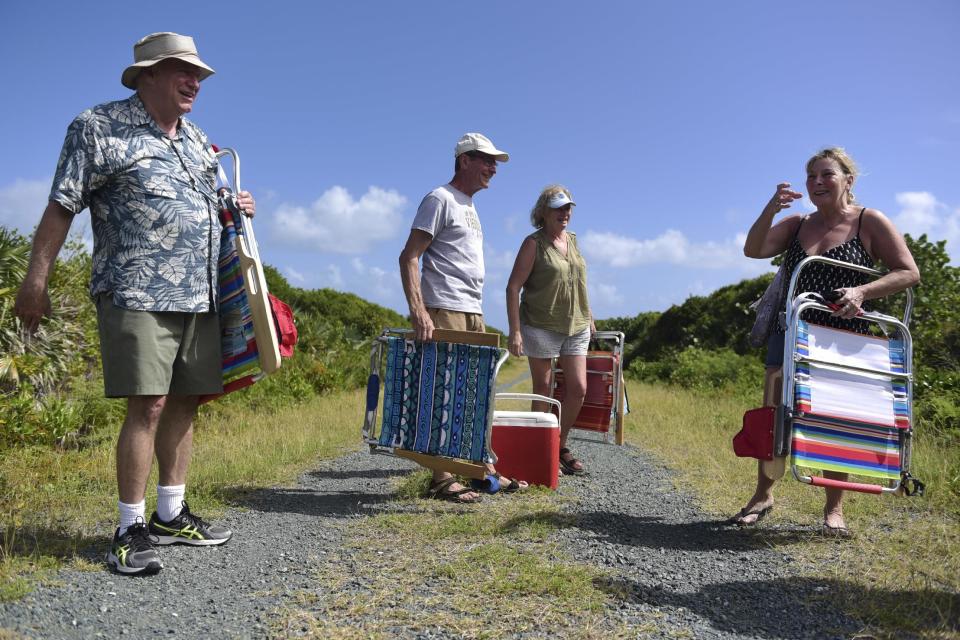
[157, 47]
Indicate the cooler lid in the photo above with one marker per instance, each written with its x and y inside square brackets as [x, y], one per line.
[524, 419]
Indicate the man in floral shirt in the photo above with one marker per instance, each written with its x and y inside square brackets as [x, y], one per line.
[147, 174]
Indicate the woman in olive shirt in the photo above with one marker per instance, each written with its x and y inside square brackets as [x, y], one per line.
[551, 317]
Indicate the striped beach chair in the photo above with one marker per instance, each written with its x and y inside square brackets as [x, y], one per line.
[438, 399]
[605, 401]
[249, 341]
[241, 357]
[847, 398]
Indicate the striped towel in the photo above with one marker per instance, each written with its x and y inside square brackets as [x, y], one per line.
[438, 398]
[828, 389]
[862, 450]
[241, 360]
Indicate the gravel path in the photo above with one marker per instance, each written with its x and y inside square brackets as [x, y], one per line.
[692, 576]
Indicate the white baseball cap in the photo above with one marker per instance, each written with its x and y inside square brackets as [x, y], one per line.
[560, 199]
[481, 143]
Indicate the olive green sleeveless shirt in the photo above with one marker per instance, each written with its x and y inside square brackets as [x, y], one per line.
[554, 296]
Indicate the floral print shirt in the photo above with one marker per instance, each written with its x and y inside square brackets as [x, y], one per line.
[153, 204]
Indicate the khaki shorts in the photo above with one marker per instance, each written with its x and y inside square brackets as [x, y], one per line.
[148, 353]
[457, 320]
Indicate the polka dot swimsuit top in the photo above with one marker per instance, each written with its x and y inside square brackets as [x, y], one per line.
[819, 277]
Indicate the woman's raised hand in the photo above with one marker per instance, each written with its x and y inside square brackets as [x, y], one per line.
[781, 199]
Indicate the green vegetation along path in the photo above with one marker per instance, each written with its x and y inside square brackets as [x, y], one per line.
[345, 553]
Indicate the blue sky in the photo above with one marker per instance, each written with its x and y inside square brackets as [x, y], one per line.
[670, 122]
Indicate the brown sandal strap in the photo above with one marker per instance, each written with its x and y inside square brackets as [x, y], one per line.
[437, 488]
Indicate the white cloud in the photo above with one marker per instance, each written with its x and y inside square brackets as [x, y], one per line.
[918, 213]
[921, 213]
[383, 284]
[670, 247]
[334, 277]
[294, 276]
[337, 223]
[366, 270]
[498, 260]
[605, 294]
[22, 203]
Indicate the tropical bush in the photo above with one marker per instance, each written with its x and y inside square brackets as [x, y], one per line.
[51, 390]
[39, 372]
[703, 341]
[696, 368]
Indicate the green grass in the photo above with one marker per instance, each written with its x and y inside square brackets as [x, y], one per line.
[477, 572]
[901, 572]
[56, 504]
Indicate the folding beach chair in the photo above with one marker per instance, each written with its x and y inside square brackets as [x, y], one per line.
[256, 328]
[847, 397]
[606, 400]
[437, 399]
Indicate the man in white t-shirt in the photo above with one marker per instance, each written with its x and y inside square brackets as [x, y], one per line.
[446, 233]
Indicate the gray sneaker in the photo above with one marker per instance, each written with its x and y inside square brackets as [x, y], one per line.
[133, 552]
[188, 528]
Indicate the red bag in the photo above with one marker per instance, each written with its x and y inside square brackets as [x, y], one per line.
[755, 439]
[286, 328]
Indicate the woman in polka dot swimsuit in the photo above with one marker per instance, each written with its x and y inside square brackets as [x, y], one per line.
[840, 229]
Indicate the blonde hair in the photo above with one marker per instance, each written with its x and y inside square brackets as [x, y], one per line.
[842, 158]
[540, 208]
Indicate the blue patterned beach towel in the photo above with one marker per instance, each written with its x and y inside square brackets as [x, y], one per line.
[438, 398]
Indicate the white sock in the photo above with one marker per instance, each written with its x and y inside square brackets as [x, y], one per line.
[170, 501]
[129, 514]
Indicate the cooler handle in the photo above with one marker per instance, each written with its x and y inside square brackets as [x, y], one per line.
[529, 396]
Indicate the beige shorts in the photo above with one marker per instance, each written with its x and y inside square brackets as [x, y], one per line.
[457, 320]
[148, 353]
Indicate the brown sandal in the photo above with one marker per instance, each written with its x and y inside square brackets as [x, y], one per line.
[567, 465]
[441, 491]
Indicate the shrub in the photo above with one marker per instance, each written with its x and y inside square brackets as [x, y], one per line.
[703, 369]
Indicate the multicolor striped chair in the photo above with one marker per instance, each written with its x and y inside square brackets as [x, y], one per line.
[848, 400]
[437, 399]
[249, 342]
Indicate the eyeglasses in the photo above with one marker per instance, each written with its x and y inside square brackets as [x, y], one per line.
[490, 161]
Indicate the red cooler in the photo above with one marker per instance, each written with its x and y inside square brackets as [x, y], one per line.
[527, 443]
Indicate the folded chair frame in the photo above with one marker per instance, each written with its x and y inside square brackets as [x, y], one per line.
[605, 402]
[471, 468]
[793, 416]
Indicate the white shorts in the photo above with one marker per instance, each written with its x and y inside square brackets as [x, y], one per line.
[543, 343]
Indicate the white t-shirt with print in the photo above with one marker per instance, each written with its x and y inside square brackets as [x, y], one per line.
[453, 270]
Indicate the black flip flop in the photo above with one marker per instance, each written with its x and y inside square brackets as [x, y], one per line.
[743, 513]
[828, 531]
[511, 486]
